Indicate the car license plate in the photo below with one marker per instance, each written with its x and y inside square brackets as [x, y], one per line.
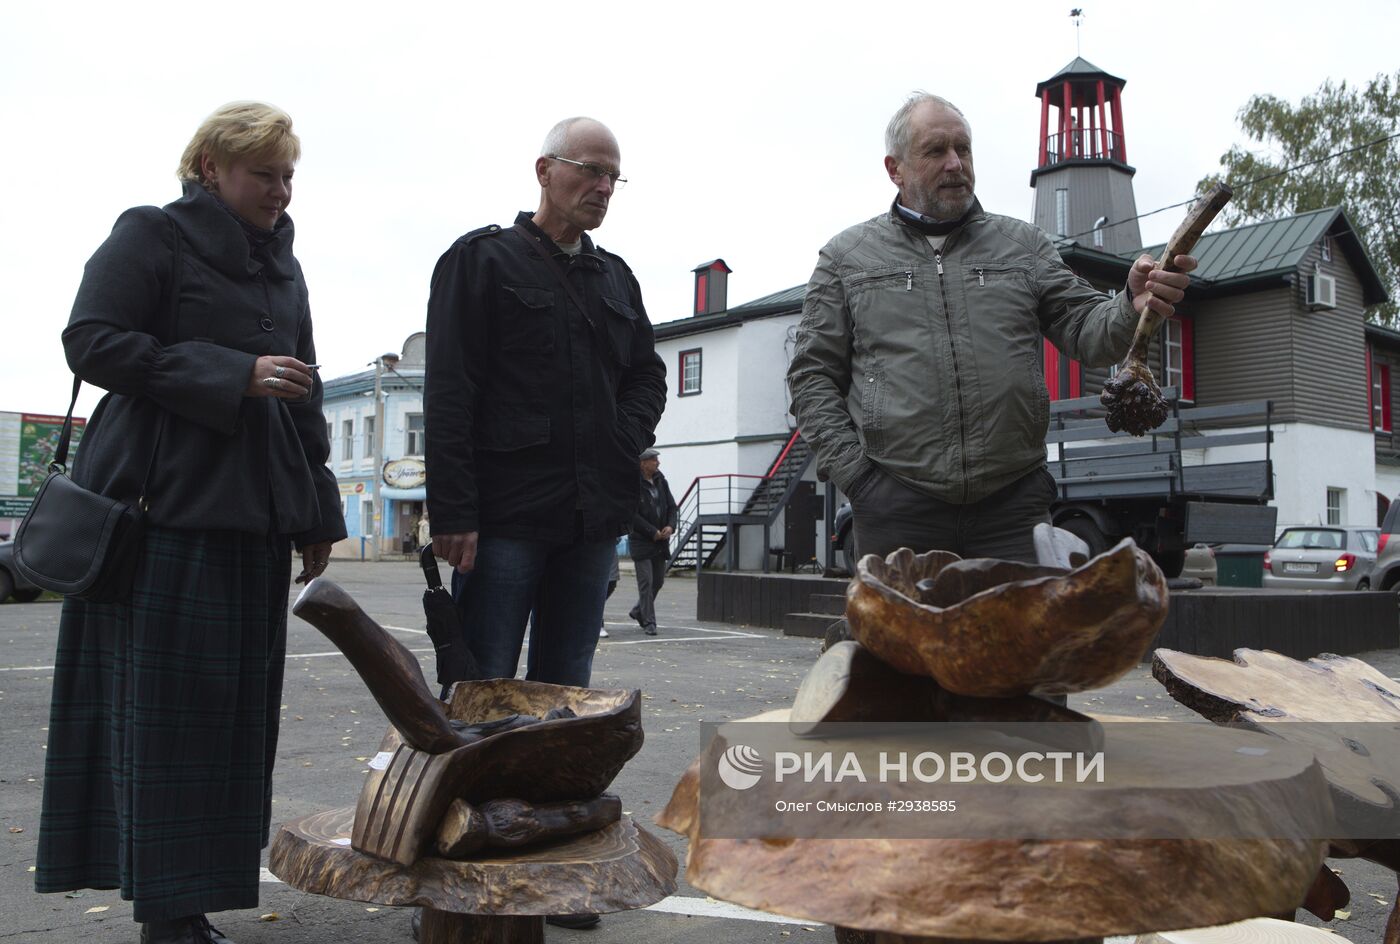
[1294, 568]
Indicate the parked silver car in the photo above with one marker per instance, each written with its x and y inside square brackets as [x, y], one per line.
[1324, 557]
[1386, 574]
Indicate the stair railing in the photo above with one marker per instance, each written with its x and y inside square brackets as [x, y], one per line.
[709, 499]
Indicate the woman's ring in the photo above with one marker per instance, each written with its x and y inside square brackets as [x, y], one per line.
[279, 371]
[272, 382]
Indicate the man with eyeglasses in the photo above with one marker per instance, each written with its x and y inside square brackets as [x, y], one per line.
[542, 388]
[917, 374]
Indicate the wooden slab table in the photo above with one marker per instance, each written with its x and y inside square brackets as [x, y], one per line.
[500, 899]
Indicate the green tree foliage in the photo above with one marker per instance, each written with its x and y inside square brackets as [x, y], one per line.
[1365, 181]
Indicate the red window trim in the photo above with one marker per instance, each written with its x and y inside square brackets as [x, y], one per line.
[680, 373]
[702, 285]
[1052, 362]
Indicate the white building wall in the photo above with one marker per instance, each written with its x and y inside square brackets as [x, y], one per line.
[696, 433]
[1388, 481]
[765, 349]
[1309, 459]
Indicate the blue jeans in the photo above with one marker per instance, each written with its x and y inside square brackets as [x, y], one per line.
[565, 585]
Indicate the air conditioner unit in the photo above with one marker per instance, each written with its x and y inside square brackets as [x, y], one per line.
[1322, 291]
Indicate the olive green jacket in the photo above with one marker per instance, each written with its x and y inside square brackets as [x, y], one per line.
[929, 364]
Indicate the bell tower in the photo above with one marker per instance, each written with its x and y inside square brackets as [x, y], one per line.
[1083, 181]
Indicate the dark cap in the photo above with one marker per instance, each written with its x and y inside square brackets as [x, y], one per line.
[651, 454]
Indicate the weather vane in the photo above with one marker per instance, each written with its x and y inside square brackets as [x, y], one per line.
[1077, 14]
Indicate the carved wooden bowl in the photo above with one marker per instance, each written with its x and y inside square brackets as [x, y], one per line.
[402, 802]
[565, 759]
[1066, 632]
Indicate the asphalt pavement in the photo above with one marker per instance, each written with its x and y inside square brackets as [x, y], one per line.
[691, 672]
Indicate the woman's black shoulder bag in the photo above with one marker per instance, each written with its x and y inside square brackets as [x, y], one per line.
[79, 543]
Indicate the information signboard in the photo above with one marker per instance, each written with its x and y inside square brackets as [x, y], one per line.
[28, 442]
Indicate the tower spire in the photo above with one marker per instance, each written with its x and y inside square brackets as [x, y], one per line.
[1077, 14]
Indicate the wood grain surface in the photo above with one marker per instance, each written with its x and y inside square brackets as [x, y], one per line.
[1007, 889]
[614, 869]
[402, 804]
[1349, 713]
[1049, 635]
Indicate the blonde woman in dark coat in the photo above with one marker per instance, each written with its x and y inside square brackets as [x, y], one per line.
[195, 318]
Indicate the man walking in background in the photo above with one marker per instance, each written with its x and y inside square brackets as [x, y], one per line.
[650, 541]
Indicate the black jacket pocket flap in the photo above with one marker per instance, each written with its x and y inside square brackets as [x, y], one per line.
[516, 432]
[621, 308]
[530, 296]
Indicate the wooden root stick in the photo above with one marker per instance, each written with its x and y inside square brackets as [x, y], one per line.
[388, 669]
[1133, 399]
[510, 824]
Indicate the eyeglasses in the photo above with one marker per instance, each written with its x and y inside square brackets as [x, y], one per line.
[597, 170]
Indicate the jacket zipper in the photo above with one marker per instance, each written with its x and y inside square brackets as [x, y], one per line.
[980, 279]
[909, 280]
[957, 374]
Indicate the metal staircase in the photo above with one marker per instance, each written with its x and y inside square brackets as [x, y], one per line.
[715, 506]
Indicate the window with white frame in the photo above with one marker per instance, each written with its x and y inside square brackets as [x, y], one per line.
[1380, 396]
[1327, 249]
[416, 437]
[1061, 212]
[1336, 499]
[690, 372]
[347, 432]
[1172, 353]
[366, 515]
[368, 426]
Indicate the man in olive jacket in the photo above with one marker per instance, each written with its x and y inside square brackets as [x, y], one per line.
[542, 388]
[917, 376]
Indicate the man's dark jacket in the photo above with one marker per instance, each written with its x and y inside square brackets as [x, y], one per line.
[651, 517]
[536, 412]
[225, 461]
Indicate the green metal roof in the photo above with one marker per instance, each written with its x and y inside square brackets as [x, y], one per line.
[1229, 260]
[787, 298]
[1259, 251]
[778, 303]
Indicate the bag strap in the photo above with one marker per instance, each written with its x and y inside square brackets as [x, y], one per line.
[532, 240]
[172, 304]
[60, 455]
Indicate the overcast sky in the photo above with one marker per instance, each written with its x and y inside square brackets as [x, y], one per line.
[751, 131]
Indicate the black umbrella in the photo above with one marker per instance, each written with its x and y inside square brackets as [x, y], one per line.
[454, 659]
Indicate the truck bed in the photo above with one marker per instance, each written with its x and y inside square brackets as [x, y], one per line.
[1090, 462]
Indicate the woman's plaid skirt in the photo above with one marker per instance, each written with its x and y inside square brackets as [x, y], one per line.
[163, 728]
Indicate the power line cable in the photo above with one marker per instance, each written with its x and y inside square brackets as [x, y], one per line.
[1241, 186]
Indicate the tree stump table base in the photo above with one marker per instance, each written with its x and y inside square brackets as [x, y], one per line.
[444, 927]
[852, 936]
[499, 898]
